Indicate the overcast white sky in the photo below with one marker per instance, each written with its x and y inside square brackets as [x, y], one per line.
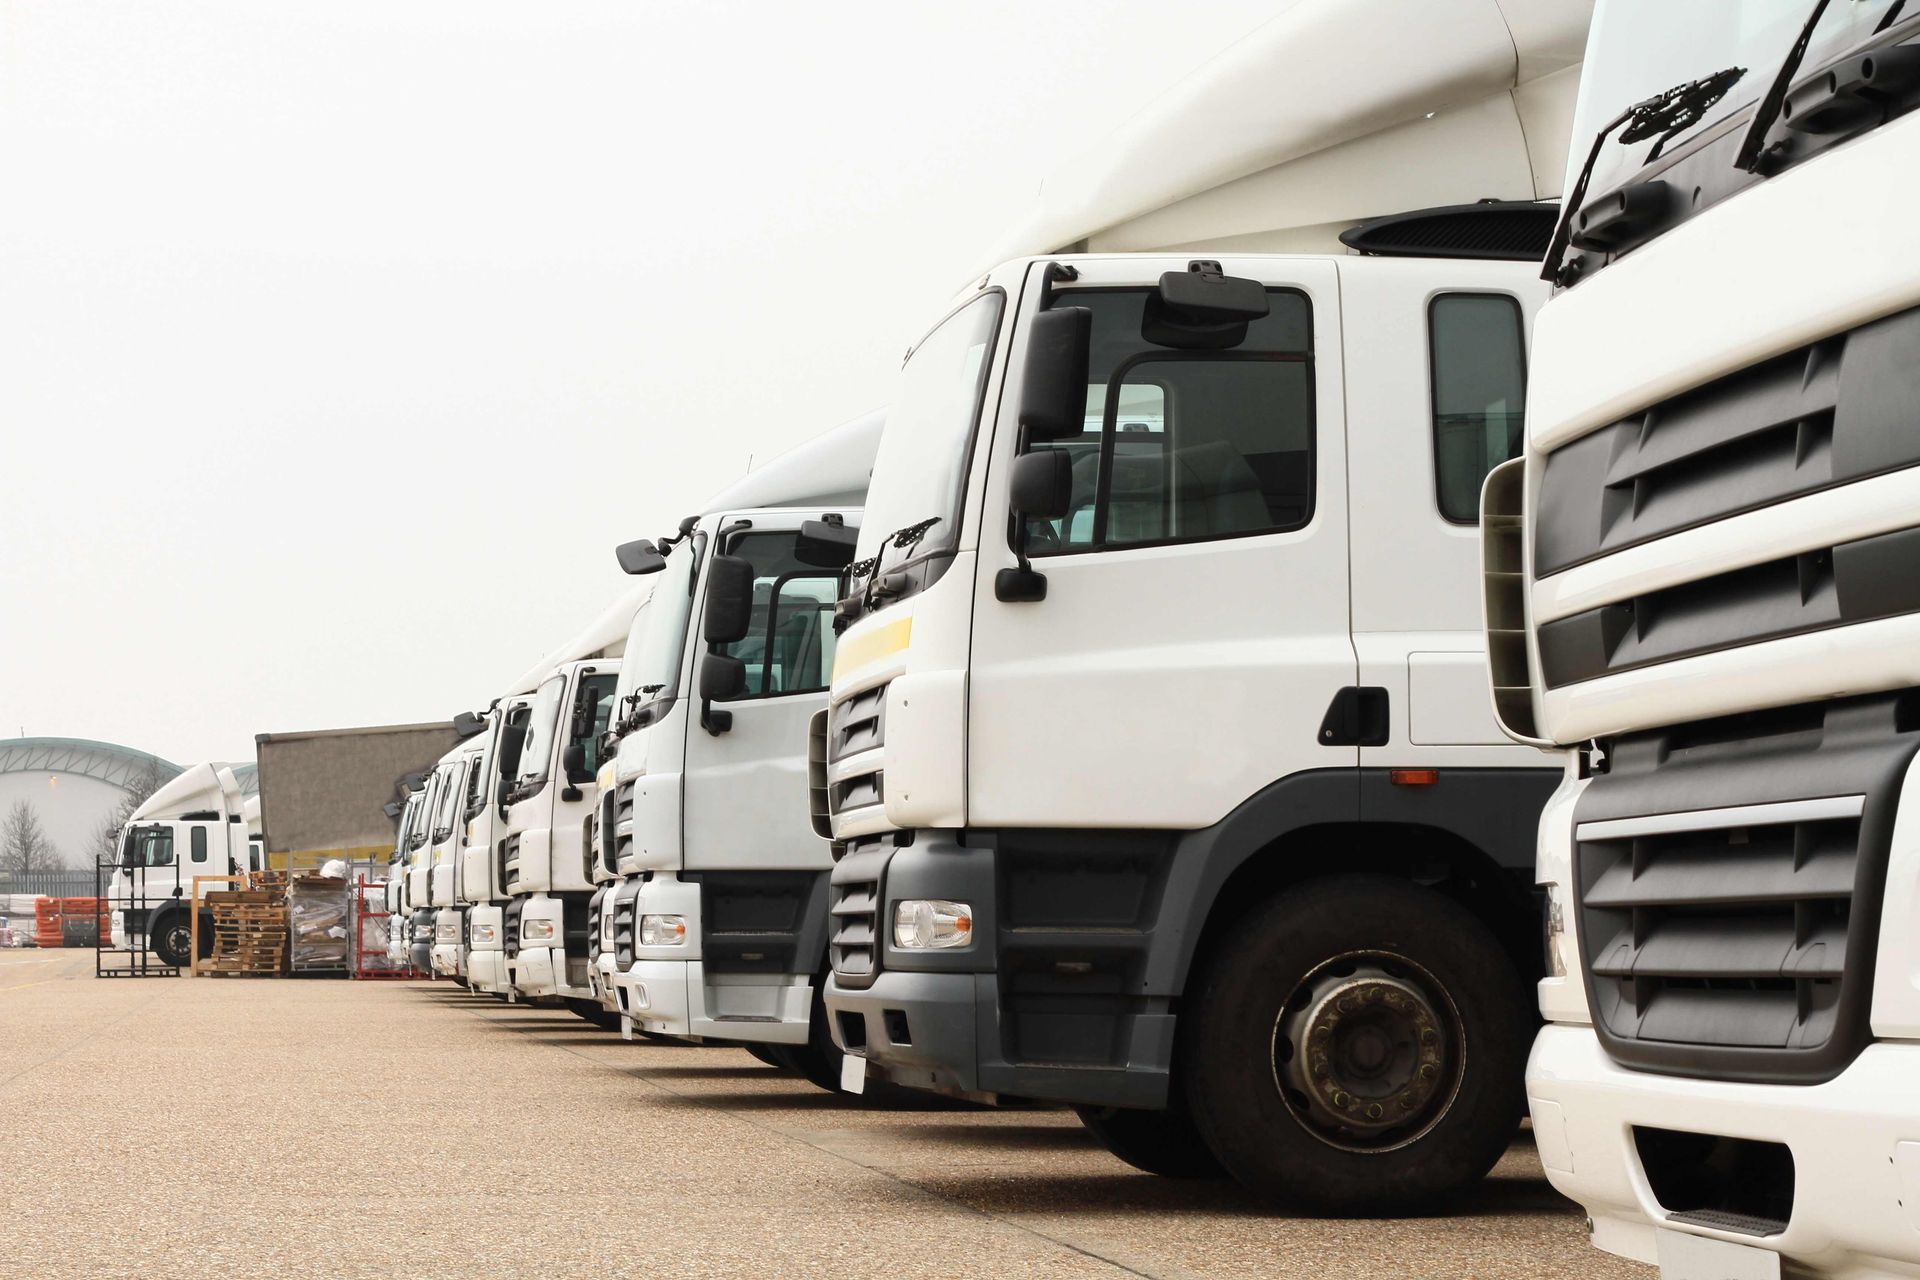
[341, 341]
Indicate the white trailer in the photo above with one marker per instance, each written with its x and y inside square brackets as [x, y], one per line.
[194, 825]
[1700, 587]
[716, 929]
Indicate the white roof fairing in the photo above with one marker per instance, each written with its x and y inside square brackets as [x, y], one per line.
[1332, 112]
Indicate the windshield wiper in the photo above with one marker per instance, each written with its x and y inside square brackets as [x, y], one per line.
[1663, 116]
[902, 538]
[1768, 111]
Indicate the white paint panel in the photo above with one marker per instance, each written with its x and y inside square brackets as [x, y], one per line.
[1448, 703]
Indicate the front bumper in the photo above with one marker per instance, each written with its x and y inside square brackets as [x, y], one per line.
[1855, 1142]
[447, 960]
[676, 998]
[941, 1020]
[538, 972]
[601, 975]
[487, 970]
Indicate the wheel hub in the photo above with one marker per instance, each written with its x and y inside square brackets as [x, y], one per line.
[1364, 1053]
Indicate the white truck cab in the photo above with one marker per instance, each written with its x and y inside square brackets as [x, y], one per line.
[1158, 762]
[1700, 585]
[717, 926]
[479, 889]
[399, 908]
[548, 789]
[193, 825]
[465, 765]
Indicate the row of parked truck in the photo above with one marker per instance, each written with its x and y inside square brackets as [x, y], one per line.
[1149, 716]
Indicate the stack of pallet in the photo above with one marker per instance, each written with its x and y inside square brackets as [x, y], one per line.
[46, 922]
[249, 929]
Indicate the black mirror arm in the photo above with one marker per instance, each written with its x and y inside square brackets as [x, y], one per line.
[715, 720]
[1022, 584]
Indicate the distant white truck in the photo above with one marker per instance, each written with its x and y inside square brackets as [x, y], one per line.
[194, 825]
[547, 780]
[717, 928]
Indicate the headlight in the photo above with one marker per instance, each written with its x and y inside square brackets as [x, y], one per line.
[483, 933]
[663, 931]
[1556, 931]
[537, 930]
[920, 924]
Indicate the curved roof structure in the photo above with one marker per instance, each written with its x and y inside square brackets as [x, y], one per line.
[115, 765]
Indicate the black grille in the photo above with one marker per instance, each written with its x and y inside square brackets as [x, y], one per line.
[510, 927]
[858, 724]
[621, 811]
[624, 924]
[1728, 880]
[1861, 581]
[762, 921]
[1837, 411]
[854, 907]
[594, 905]
[817, 776]
[510, 861]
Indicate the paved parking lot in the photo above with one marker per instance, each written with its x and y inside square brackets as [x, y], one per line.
[220, 1127]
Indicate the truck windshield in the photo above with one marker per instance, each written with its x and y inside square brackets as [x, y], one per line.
[449, 798]
[920, 471]
[652, 662]
[536, 757]
[1638, 48]
[623, 686]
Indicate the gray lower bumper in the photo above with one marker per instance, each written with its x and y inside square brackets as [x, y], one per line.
[942, 1031]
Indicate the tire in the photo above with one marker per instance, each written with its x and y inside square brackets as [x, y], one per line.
[458, 981]
[1164, 1142]
[172, 940]
[772, 1055]
[1425, 1028]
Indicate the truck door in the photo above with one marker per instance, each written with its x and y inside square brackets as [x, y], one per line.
[745, 789]
[591, 704]
[151, 874]
[1194, 634]
[1436, 398]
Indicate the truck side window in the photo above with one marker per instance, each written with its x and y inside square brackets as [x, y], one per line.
[199, 844]
[789, 648]
[1477, 349]
[1184, 446]
[593, 705]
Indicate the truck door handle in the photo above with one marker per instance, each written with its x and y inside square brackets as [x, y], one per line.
[1357, 717]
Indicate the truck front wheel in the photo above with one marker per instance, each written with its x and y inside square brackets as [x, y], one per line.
[1163, 1142]
[171, 938]
[1358, 1046]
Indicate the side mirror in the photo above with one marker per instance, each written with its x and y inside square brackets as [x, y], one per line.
[467, 724]
[1202, 309]
[1042, 484]
[1041, 488]
[639, 556]
[723, 677]
[1053, 390]
[729, 612]
[574, 761]
[826, 543]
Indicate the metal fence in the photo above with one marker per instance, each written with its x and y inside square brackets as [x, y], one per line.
[65, 883]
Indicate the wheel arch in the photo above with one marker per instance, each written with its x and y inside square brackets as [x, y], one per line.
[1476, 847]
